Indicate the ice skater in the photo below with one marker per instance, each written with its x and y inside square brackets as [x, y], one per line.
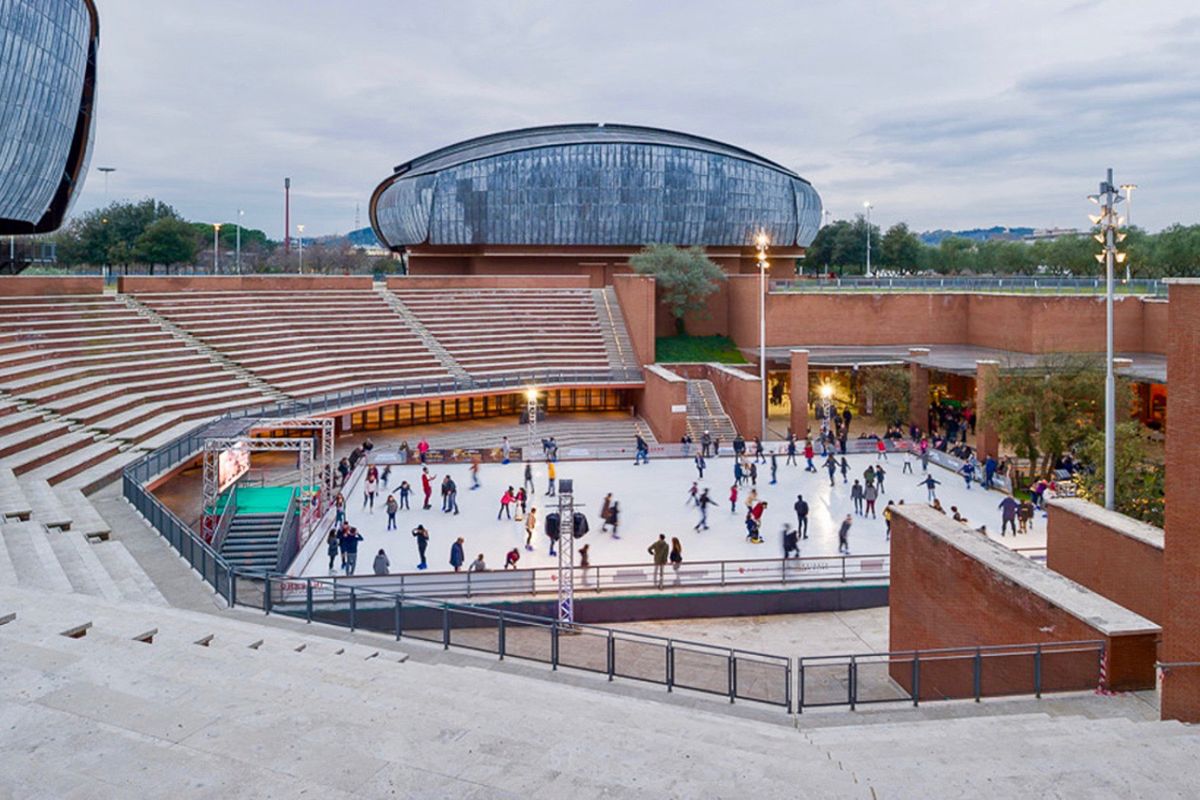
[700, 465]
[704, 502]
[930, 483]
[530, 527]
[801, 508]
[831, 465]
[844, 535]
[693, 494]
[791, 541]
[845, 468]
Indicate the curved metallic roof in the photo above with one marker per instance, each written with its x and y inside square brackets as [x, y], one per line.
[593, 185]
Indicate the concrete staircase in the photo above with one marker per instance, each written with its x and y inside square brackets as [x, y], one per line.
[120, 699]
[69, 562]
[705, 412]
[448, 362]
[253, 541]
[613, 329]
[194, 342]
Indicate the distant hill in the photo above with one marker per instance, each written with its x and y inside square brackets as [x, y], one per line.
[978, 234]
[364, 237]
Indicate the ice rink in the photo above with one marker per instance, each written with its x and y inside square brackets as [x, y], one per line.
[653, 499]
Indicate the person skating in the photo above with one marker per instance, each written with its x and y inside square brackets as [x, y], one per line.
[755, 519]
[774, 467]
[605, 507]
[700, 465]
[907, 463]
[844, 535]
[660, 551]
[845, 468]
[759, 458]
[381, 564]
[511, 558]
[332, 548]
[880, 450]
[506, 500]
[733, 495]
[405, 491]
[422, 537]
[754, 473]
[641, 451]
[694, 494]
[451, 496]
[457, 557]
[887, 520]
[676, 556]
[930, 483]
[614, 517]
[739, 447]
[370, 488]
[739, 475]
[791, 452]
[870, 495]
[505, 451]
[427, 487]
[791, 542]
[879, 473]
[856, 496]
[989, 473]
[391, 506]
[350, 539]
[801, 508]
[968, 473]
[703, 502]
[475, 484]
[705, 445]
[521, 498]
[809, 452]
[530, 527]
[550, 476]
[831, 465]
[528, 484]
[1008, 515]
[1024, 516]
[478, 565]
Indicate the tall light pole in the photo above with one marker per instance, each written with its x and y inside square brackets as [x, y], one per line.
[238, 245]
[1128, 189]
[867, 205]
[1109, 236]
[300, 237]
[762, 242]
[216, 246]
[106, 171]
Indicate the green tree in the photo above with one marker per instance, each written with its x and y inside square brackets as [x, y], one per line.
[107, 235]
[1138, 490]
[166, 241]
[1045, 411]
[888, 388]
[685, 278]
[900, 249]
[820, 253]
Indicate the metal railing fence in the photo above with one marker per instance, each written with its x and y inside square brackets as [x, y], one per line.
[1020, 284]
[952, 673]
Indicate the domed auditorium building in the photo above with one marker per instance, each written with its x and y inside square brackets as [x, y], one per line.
[582, 198]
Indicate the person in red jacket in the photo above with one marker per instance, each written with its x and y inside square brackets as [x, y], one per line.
[427, 485]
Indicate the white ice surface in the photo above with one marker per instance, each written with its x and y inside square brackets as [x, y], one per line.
[653, 499]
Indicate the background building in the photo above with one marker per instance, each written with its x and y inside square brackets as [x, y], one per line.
[47, 93]
[583, 198]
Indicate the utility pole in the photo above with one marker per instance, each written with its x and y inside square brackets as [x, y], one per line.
[287, 216]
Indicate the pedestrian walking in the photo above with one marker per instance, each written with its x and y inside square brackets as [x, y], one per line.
[381, 564]
[457, 558]
[660, 551]
[422, 537]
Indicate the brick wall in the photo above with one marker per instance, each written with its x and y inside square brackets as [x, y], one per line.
[1180, 697]
[488, 282]
[951, 587]
[1109, 553]
[27, 286]
[664, 392]
[635, 294]
[241, 283]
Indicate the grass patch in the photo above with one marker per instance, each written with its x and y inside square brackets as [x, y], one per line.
[679, 349]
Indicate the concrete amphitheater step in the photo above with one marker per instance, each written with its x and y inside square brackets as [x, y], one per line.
[33, 558]
[14, 505]
[81, 453]
[81, 565]
[47, 508]
[128, 576]
[85, 519]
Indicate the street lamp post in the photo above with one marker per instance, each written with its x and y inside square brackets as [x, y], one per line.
[867, 205]
[107, 171]
[216, 247]
[762, 242]
[238, 245]
[300, 237]
[1108, 236]
[1128, 189]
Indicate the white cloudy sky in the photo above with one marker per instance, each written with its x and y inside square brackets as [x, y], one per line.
[944, 114]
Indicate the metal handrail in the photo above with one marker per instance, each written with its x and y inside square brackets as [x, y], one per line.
[226, 520]
[286, 546]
